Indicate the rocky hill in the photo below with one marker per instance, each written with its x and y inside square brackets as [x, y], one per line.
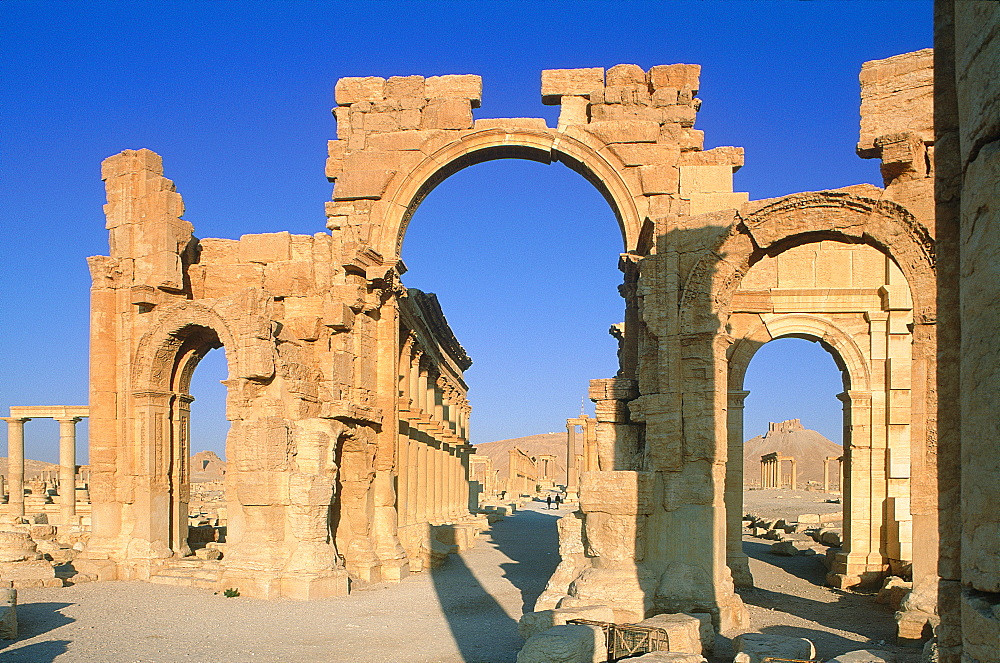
[791, 438]
[207, 466]
[32, 468]
[533, 445]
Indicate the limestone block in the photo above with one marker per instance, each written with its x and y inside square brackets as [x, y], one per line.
[575, 82]
[705, 179]
[865, 656]
[573, 110]
[786, 548]
[31, 573]
[646, 154]
[808, 518]
[288, 278]
[717, 156]
[683, 631]
[675, 76]
[214, 251]
[619, 492]
[628, 591]
[455, 86]
[398, 141]
[447, 114]
[400, 87]
[658, 179]
[980, 626]
[914, 626]
[893, 591]
[625, 131]
[362, 184]
[625, 74]
[615, 538]
[532, 623]
[896, 96]
[8, 614]
[706, 631]
[265, 247]
[569, 643]
[755, 647]
[17, 546]
[352, 90]
[570, 529]
[667, 657]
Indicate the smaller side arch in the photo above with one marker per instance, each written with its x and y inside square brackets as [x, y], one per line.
[846, 353]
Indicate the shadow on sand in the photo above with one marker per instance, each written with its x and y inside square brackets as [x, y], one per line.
[481, 627]
[33, 620]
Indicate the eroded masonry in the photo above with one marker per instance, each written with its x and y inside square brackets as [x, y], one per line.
[348, 447]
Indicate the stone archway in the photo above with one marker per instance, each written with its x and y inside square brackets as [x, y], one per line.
[855, 371]
[709, 302]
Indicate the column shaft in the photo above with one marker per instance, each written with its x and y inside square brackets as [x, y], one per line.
[15, 465]
[67, 469]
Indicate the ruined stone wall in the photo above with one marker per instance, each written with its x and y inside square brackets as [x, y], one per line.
[967, 161]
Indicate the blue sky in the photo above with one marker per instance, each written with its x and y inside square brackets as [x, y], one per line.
[236, 97]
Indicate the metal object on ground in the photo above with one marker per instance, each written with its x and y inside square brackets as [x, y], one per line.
[626, 640]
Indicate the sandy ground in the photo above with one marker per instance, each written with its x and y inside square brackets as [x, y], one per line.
[466, 611]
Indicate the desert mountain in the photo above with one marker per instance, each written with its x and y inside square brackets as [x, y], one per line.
[207, 466]
[533, 445]
[791, 438]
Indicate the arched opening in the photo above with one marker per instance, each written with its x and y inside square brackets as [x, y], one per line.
[207, 512]
[854, 301]
[533, 314]
[193, 343]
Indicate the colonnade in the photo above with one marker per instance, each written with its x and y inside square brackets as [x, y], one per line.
[770, 471]
[67, 416]
[432, 470]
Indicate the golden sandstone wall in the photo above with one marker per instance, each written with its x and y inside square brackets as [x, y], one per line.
[967, 128]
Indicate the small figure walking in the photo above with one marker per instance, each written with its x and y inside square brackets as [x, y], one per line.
[558, 500]
[548, 501]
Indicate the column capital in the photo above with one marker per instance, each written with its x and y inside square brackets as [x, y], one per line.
[16, 420]
[736, 398]
[67, 420]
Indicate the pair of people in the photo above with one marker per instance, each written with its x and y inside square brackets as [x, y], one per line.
[548, 501]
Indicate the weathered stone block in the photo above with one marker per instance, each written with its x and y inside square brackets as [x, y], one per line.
[618, 492]
[398, 87]
[576, 82]
[447, 114]
[8, 614]
[352, 90]
[455, 86]
[675, 76]
[362, 184]
[683, 631]
[625, 131]
[533, 623]
[755, 647]
[569, 643]
[865, 656]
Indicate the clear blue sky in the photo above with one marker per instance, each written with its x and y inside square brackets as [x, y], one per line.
[236, 97]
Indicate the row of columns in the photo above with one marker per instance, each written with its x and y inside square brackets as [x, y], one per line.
[770, 471]
[826, 472]
[422, 390]
[67, 466]
[432, 480]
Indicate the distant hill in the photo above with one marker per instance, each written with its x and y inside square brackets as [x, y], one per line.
[207, 466]
[791, 438]
[32, 468]
[533, 445]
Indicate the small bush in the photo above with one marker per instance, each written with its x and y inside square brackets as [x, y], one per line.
[231, 592]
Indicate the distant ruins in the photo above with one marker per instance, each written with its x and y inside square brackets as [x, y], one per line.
[349, 421]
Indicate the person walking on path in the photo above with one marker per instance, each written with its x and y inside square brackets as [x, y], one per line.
[548, 501]
[558, 500]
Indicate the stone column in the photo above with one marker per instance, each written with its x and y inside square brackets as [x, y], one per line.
[794, 474]
[413, 388]
[437, 394]
[67, 469]
[15, 464]
[736, 559]
[421, 475]
[572, 478]
[421, 394]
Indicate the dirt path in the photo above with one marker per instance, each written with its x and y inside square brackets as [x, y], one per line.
[466, 611]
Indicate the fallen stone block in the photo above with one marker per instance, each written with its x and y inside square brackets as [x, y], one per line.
[913, 627]
[786, 548]
[808, 518]
[668, 657]
[865, 656]
[755, 647]
[893, 591]
[569, 643]
[831, 537]
[533, 623]
[8, 614]
[683, 631]
[706, 630]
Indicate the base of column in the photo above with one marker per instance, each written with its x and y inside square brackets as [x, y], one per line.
[855, 571]
[739, 567]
